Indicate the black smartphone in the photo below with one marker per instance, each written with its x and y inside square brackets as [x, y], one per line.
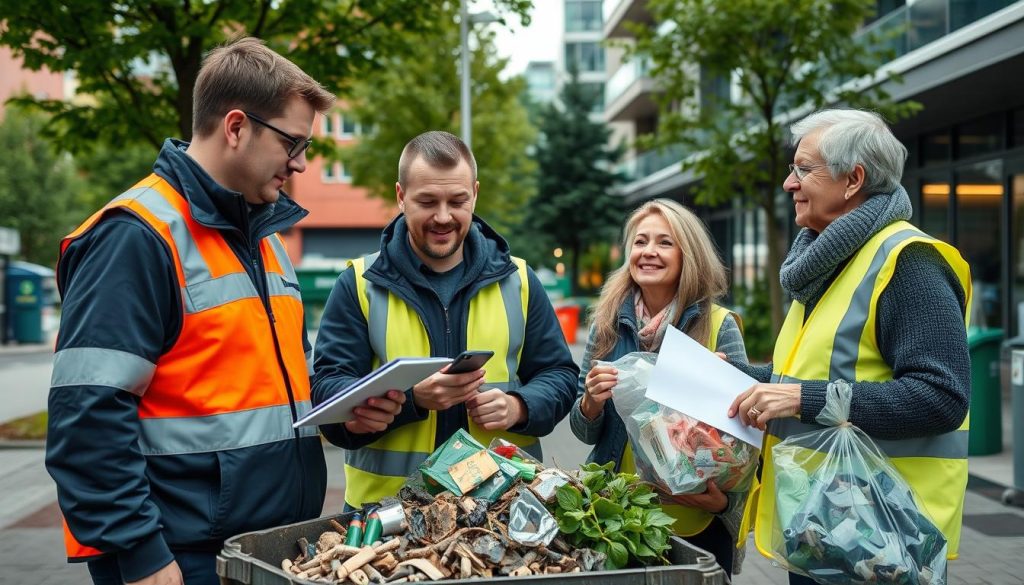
[469, 361]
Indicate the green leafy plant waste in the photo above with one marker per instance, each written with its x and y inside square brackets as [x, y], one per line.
[616, 514]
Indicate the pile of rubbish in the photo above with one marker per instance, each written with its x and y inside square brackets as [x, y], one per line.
[473, 512]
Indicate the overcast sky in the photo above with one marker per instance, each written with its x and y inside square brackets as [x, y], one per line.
[541, 41]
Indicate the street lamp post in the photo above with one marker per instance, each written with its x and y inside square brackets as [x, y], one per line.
[466, 19]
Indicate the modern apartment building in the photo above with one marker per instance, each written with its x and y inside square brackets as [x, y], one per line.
[541, 81]
[582, 47]
[961, 60]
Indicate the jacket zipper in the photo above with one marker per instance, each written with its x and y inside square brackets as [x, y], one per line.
[265, 298]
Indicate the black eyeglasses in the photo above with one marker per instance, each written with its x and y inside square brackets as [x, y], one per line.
[298, 145]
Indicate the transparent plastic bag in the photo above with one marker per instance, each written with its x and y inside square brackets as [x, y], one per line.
[843, 512]
[672, 450]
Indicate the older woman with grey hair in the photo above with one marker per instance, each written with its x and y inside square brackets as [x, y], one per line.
[879, 307]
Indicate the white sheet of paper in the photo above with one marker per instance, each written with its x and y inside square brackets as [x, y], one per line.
[689, 378]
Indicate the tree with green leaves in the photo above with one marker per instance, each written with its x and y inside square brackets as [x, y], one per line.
[787, 58]
[420, 92]
[139, 59]
[38, 187]
[575, 206]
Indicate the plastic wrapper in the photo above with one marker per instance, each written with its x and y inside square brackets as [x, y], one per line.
[671, 449]
[843, 512]
[529, 522]
[494, 487]
[437, 469]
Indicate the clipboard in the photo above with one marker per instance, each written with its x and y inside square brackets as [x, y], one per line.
[397, 374]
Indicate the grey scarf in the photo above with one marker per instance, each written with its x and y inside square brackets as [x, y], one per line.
[813, 256]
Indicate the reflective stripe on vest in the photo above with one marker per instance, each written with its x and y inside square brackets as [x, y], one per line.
[689, 521]
[838, 341]
[496, 321]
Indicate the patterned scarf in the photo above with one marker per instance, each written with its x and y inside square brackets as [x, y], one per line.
[651, 329]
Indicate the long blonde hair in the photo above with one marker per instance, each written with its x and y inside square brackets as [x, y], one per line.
[701, 280]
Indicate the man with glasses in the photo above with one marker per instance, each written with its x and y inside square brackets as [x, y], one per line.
[182, 361]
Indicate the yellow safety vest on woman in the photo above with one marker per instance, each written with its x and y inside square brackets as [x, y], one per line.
[497, 321]
[839, 341]
[689, 521]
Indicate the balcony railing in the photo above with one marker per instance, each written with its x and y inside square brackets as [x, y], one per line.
[627, 75]
[652, 161]
[913, 26]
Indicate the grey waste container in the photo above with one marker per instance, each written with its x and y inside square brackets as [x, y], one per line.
[1015, 495]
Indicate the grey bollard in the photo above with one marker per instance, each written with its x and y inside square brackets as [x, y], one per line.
[1014, 496]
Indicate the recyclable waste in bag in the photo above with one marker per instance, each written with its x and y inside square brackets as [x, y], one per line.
[671, 449]
[843, 512]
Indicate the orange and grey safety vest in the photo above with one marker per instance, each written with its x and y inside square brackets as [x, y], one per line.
[838, 340]
[237, 376]
[497, 321]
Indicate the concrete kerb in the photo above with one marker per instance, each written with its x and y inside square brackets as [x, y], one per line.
[32, 444]
[29, 348]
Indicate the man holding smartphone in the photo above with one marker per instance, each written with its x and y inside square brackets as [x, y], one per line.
[442, 282]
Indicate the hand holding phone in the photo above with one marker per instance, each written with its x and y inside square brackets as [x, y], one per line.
[468, 361]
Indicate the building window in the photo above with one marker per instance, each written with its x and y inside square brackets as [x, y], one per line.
[978, 137]
[582, 15]
[329, 174]
[962, 13]
[935, 205]
[586, 56]
[343, 174]
[979, 203]
[349, 127]
[936, 148]
[1017, 130]
[328, 124]
[928, 22]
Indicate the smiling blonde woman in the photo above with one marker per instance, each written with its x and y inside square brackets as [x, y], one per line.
[672, 277]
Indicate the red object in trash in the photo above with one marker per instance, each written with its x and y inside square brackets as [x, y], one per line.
[506, 451]
[569, 319]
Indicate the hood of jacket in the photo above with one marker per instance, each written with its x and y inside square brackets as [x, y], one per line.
[486, 257]
[215, 206]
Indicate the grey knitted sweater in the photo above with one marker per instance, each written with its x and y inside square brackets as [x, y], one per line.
[921, 336]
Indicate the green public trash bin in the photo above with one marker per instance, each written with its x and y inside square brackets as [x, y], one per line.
[25, 300]
[986, 435]
[316, 285]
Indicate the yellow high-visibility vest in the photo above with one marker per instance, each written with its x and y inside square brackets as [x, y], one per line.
[839, 341]
[689, 521]
[497, 321]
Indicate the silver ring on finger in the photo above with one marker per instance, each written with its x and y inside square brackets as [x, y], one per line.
[754, 412]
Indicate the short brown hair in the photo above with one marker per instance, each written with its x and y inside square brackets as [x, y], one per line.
[441, 150]
[245, 74]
